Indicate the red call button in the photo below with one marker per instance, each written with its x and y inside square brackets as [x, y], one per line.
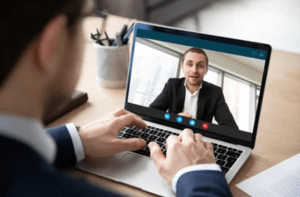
[205, 126]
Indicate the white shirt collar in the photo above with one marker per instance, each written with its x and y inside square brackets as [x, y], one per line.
[195, 93]
[29, 131]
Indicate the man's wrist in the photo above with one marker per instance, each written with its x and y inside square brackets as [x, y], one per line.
[77, 143]
[199, 167]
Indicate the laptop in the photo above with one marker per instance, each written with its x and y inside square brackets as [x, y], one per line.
[239, 68]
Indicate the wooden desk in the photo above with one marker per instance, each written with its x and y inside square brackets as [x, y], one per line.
[278, 135]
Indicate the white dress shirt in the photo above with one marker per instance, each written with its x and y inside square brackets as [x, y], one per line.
[191, 101]
[32, 133]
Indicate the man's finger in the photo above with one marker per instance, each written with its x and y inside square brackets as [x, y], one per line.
[187, 136]
[122, 112]
[156, 155]
[128, 120]
[129, 144]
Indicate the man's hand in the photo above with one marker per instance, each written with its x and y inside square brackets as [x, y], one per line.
[99, 138]
[186, 114]
[185, 150]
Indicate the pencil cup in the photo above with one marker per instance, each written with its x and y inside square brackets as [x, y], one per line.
[112, 65]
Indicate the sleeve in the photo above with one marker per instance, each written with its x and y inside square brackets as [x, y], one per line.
[223, 115]
[162, 100]
[78, 147]
[202, 183]
[66, 155]
[212, 166]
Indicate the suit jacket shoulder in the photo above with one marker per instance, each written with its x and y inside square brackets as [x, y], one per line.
[29, 174]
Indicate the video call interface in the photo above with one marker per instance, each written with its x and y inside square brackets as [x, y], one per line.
[196, 85]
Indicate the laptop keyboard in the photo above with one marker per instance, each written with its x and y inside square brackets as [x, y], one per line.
[225, 156]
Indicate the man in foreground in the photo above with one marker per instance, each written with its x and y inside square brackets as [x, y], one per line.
[40, 67]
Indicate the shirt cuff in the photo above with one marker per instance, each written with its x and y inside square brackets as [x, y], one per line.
[78, 148]
[199, 167]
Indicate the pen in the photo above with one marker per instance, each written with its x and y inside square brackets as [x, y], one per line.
[118, 39]
[107, 38]
[125, 38]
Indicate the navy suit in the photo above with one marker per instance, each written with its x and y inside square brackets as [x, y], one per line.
[25, 173]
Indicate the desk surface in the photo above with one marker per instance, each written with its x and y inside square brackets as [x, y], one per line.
[278, 136]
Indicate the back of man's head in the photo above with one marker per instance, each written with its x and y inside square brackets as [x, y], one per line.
[23, 21]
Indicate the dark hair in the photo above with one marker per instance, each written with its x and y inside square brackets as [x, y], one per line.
[23, 21]
[195, 50]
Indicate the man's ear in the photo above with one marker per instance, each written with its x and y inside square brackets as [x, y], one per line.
[52, 45]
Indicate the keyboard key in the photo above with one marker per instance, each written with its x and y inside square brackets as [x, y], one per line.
[138, 133]
[161, 139]
[230, 162]
[169, 132]
[221, 150]
[161, 134]
[129, 131]
[214, 144]
[165, 152]
[167, 135]
[157, 129]
[221, 146]
[216, 154]
[232, 154]
[144, 135]
[224, 170]
[222, 157]
[120, 134]
[126, 135]
[152, 137]
[160, 144]
[124, 129]
[232, 149]
[147, 148]
[143, 130]
[177, 134]
[135, 136]
[220, 162]
[240, 151]
[153, 132]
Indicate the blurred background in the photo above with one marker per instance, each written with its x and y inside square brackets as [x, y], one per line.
[275, 22]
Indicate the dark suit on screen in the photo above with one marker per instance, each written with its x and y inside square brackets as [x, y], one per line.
[25, 173]
[211, 102]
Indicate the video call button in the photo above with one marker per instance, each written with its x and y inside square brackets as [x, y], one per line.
[167, 116]
[179, 119]
[192, 122]
[205, 126]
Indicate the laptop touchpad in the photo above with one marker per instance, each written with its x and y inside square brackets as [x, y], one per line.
[140, 172]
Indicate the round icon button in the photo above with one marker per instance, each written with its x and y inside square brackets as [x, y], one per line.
[261, 54]
[167, 116]
[205, 126]
[192, 122]
[179, 119]
[254, 53]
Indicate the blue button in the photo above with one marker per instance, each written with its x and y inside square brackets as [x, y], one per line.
[192, 122]
[179, 119]
[167, 116]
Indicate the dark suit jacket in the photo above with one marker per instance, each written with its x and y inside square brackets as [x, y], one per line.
[25, 173]
[211, 102]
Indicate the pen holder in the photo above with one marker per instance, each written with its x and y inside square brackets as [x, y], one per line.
[112, 65]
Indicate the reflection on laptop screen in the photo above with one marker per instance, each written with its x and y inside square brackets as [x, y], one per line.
[207, 85]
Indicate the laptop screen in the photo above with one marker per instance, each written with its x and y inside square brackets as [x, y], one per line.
[209, 84]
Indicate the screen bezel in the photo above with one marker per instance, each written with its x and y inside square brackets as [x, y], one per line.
[231, 41]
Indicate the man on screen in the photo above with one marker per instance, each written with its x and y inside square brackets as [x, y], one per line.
[191, 96]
